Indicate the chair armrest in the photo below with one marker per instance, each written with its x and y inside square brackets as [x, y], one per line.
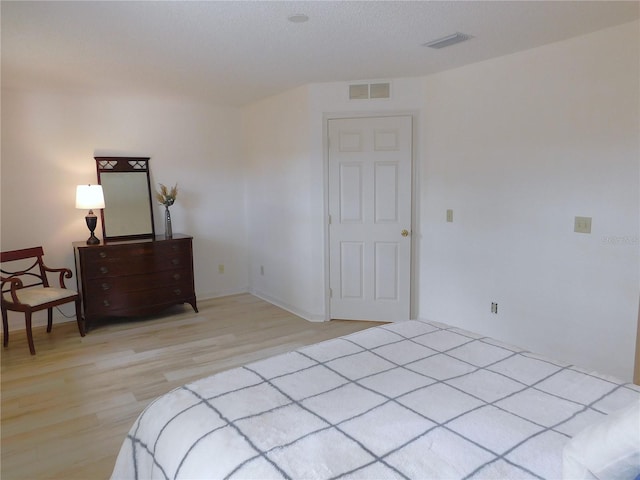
[64, 273]
[16, 283]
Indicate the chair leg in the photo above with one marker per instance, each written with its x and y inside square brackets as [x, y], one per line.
[49, 319]
[79, 317]
[5, 327]
[27, 317]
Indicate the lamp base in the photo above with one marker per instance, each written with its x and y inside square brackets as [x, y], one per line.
[91, 220]
[93, 240]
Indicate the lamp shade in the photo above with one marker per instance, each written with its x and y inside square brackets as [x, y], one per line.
[89, 197]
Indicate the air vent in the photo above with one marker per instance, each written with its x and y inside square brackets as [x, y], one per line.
[448, 41]
[379, 90]
[365, 91]
[359, 92]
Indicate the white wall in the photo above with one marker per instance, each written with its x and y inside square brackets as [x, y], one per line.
[48, 144]
[284, 250]
[517, 147]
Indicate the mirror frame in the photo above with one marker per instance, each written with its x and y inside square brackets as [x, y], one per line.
[106, 165]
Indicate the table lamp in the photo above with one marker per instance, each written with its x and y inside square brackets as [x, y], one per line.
[89, 197]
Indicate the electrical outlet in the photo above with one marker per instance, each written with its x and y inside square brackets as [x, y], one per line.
[582, 224]
[261, 269]
[221, 268]
[449, 215]
[494, 307]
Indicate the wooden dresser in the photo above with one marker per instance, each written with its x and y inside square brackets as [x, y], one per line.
[134, 277]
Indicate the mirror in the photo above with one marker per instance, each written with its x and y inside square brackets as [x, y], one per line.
[128, 211]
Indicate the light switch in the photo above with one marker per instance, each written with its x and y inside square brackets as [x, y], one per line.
[449, 215]
[582, 225]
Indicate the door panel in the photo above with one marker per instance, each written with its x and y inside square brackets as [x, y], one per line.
[351, 263]
[386, 268]
[369, 207]
[350, 193]
[386, 193]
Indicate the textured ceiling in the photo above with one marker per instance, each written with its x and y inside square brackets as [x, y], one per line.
[235, 52]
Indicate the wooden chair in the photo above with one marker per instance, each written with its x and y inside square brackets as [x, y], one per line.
[25, 288]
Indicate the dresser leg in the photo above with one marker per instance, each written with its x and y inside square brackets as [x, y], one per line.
[192, 302]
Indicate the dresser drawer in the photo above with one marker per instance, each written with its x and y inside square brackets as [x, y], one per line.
[113, 303]
[173, 246]
[132, 283]
[128, 250]
[113, 263]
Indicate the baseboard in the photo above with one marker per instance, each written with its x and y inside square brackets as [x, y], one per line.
[39, 319]
[289, 308]
[223, 293]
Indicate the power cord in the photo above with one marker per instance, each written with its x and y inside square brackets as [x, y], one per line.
[73, 315]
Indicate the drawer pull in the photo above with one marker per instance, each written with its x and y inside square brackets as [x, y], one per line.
[106, 303]
[177, 276]
[104, 270]
[103, 254]
[175, 261]
[106, 286]
[177, 291]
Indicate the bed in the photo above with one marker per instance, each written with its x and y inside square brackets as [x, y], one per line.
[404, 400]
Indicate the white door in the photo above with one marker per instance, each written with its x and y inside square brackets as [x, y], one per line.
[370, 218]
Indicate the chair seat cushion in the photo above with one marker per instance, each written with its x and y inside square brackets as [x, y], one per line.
[39, 296]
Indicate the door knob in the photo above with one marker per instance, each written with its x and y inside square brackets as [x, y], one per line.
[404, 233]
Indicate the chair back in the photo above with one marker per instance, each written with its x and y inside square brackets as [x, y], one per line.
[25, 264]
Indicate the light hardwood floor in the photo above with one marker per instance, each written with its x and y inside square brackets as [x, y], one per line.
[66, 410]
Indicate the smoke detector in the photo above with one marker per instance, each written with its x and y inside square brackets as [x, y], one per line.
[298, 18]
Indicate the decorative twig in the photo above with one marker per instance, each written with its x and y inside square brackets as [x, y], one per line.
[167, 196]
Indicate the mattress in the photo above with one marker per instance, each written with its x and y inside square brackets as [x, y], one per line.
[412, 400]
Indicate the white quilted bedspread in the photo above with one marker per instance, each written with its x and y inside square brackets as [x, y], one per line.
[406, 400]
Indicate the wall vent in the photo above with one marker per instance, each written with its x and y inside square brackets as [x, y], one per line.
[379, 90]
[358, 92]
[365, 91]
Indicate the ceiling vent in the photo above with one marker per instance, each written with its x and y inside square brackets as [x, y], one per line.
[448, 41]
[365, 91]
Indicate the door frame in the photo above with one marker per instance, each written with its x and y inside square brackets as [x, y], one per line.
[415, 214]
